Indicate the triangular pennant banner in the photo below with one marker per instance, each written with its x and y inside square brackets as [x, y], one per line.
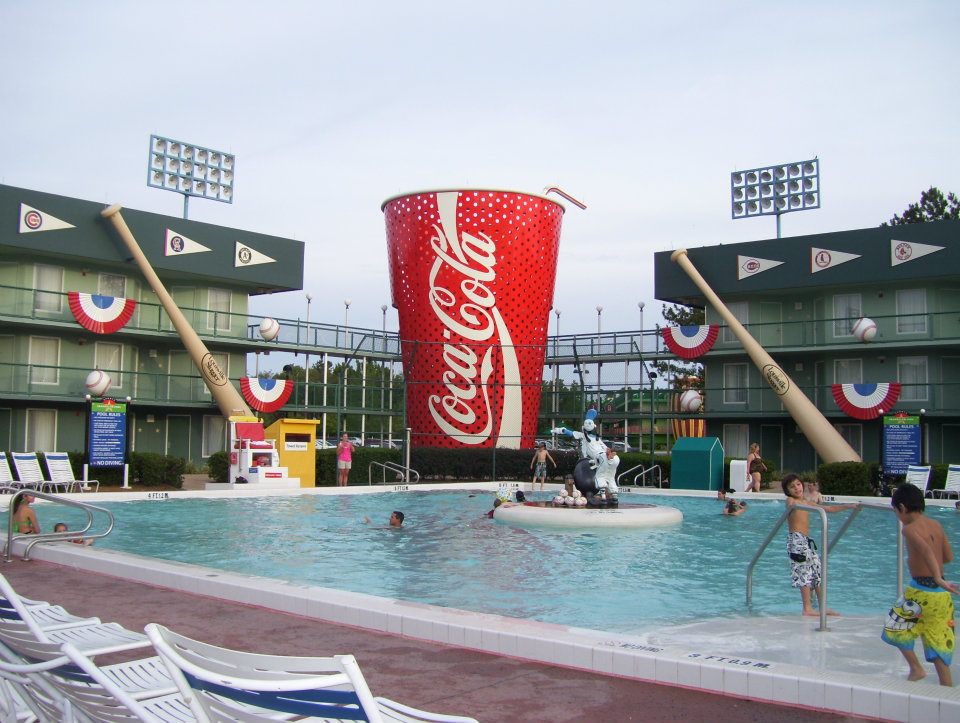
[865, 401]
[100, 314]
[689, 342]
[266, 395]
[751, 266]
[903, 251]
[32, 220]
[822, 259]
[177, 244]
[246, 256]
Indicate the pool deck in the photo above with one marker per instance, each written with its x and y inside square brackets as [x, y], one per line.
[430, 676]
[501, 669]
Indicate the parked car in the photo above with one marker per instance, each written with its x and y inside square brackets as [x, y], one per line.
[381, 443]
[324, 444]
[621, 447]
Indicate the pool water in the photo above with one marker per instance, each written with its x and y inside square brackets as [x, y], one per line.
[448, 553]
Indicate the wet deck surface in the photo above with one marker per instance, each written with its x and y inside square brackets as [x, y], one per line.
[434, 677]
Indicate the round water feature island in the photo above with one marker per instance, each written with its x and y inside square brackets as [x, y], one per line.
[546, 514]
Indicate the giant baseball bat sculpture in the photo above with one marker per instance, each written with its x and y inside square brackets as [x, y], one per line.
[226, 395]
[824, 438]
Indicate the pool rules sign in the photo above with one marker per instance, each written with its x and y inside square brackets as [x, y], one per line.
[107, 439]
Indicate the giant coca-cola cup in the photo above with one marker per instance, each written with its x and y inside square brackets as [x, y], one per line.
[472, 275]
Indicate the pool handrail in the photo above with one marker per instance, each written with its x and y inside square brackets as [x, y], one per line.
[393, 467]
[53, 536]
[643, 473]
[826, 545]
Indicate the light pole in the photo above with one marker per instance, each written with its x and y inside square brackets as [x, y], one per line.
[556, 369]
[383, 371]
[599, 312]
[306, 360]
[191, 170]
[383, 308]
[775, 190]
[346, 323]
[653, 378]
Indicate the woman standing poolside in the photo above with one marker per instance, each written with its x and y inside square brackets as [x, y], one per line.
[344, 459]
[755, 467]
[24, 518]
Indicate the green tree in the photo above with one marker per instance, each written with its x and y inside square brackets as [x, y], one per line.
[933, 206]
[675, 370]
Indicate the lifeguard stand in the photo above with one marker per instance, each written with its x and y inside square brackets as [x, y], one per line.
[254, 460]
[295, 441]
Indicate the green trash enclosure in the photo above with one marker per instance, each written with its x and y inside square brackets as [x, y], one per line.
[696, 464]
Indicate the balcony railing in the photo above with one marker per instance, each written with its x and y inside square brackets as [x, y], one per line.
[48, 307]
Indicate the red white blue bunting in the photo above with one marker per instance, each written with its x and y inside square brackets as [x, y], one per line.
[689, 342]
[100, 314]
[866, 401]
[266, 395]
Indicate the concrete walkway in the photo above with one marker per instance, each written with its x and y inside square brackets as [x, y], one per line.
[434, 677]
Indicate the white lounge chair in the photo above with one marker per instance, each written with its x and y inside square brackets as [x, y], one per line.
[30, 474]
[58, 466]
[222, 685]
[140, 678]
[919, 476]
[18, 625]
[71, 687]
[7, 483]
[952, 486]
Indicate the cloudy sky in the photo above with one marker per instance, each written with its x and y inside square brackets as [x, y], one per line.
[640, 109]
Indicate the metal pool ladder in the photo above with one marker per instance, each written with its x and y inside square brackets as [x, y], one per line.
[53, 536]
[639, 480]
[825, 548]
[399, 469]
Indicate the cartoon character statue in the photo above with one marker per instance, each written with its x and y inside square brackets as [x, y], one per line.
[595, 474]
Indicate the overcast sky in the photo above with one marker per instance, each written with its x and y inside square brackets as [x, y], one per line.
[642, 110]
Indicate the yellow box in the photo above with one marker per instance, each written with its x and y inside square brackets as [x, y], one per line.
[296, 445]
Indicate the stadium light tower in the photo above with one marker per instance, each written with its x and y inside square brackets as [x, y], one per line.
[191, 170]
[775, 190]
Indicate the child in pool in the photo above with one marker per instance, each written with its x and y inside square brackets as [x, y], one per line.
[733, 508]
[62, 527]
[804, 559]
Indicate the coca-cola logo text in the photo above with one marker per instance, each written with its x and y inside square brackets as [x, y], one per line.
[461, 297]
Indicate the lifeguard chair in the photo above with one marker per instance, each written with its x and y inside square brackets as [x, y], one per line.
[254, 460]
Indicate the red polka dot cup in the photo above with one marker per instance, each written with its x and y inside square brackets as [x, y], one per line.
[472, 275]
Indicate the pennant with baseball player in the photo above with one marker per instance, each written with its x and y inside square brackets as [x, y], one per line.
[865, 401]
[689, 342]
[264, 394]
[100, 314]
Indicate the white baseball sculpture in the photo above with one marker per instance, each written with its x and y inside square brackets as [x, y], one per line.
[864, 329]
[690, 401]
[269, 329]
[98, 383]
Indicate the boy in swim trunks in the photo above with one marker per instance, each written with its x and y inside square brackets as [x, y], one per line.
[540, 458]
[926, 609]
[804, 559]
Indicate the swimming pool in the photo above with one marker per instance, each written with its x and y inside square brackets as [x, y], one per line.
[449, 554]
